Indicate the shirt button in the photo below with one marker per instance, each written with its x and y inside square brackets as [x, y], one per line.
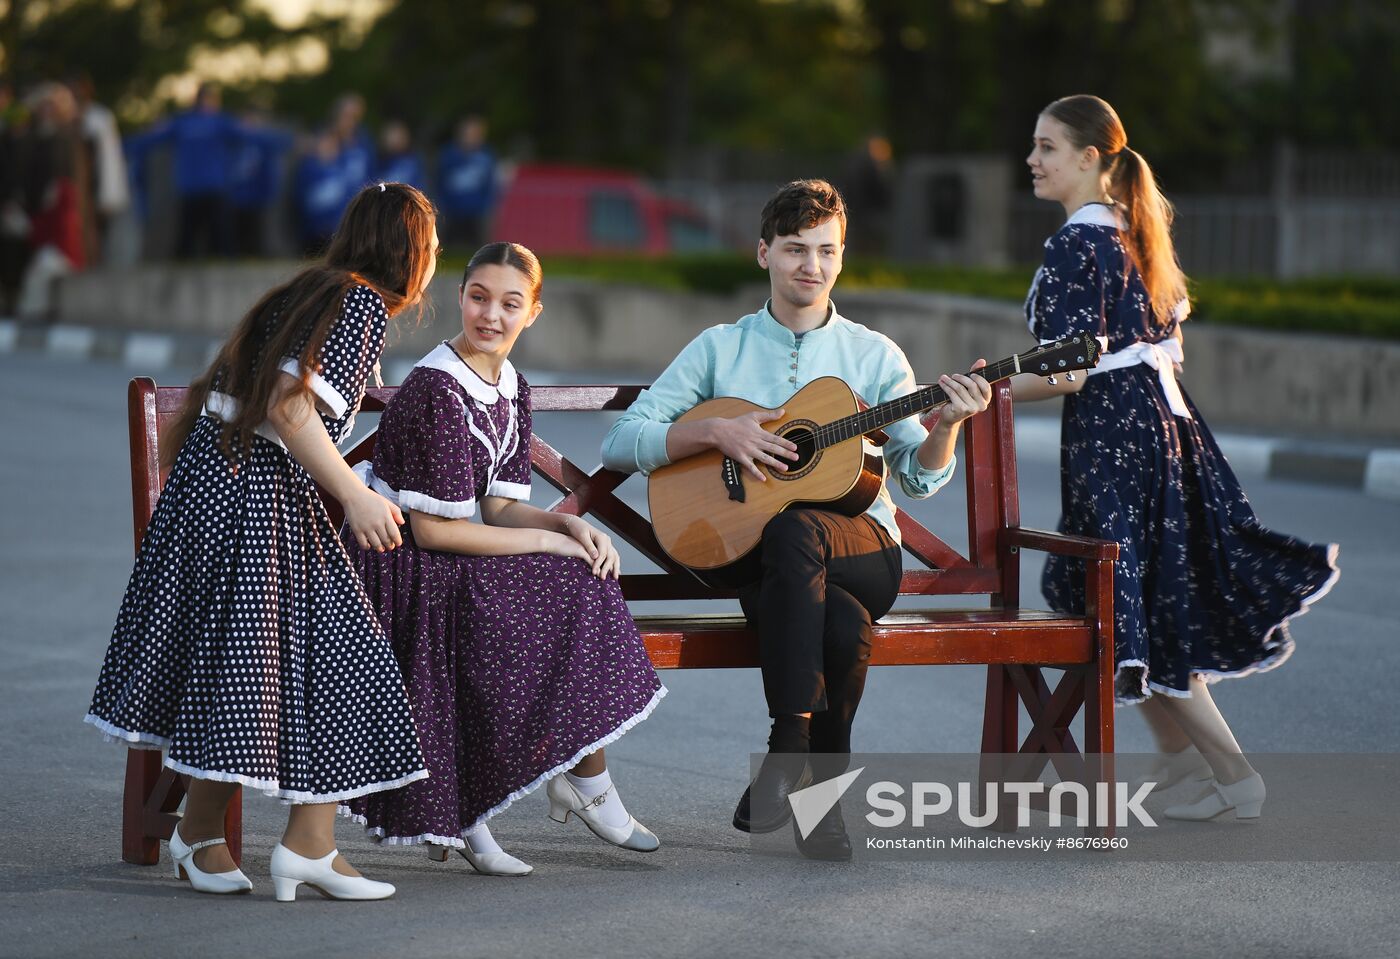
[794, 356]
[793, 366]
[792, 379]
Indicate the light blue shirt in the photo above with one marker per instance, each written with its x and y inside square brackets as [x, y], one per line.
[760, 360]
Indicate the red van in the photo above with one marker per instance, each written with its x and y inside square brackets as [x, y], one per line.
[570, 210]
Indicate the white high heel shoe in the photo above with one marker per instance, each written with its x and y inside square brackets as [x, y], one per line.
[486, 863]
[564, 799]
[290, 870]
[1245, 797]
[218, 883]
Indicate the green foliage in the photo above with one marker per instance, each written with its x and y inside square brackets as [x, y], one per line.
[648, 84]
[1334, 305]
[128, 48]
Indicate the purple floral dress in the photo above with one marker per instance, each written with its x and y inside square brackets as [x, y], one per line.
[1201, 587]
[516, 666]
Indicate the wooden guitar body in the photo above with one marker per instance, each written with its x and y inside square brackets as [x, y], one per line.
[707, 514]
[700, 524]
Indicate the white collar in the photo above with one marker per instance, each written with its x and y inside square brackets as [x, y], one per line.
[445, 358]
[1096, 214]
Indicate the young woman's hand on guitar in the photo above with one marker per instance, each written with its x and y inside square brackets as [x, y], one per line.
[967, 396]
[373, 520]
[602, 554]
[744, 440]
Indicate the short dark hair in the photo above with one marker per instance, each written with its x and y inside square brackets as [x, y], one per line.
[800, 205]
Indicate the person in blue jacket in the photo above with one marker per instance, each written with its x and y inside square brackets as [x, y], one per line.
[321, 193]
[256, 181]
[355, 154]
[467, 188]
[398, 161]
[204, 140]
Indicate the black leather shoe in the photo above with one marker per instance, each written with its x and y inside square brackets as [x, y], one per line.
[778, 777]
[828, 840]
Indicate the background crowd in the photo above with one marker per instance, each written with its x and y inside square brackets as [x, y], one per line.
[67, 174]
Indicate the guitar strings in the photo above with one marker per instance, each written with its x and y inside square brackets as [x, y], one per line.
[878, 417]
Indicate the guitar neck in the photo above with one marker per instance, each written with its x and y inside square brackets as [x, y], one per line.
[878, 417]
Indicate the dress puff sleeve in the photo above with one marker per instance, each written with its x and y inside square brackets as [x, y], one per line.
[513, 478]
[350, 353]
[1068, 295]
[423, 449]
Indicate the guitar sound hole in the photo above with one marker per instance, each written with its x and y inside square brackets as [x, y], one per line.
[806, 449]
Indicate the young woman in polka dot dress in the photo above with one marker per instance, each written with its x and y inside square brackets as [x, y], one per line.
[1202, 590]
[245, 646]
[520, 655]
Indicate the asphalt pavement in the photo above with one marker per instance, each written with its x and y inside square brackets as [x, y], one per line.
[65, 554]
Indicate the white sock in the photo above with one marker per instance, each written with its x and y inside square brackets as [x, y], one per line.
[611, 812]
[481, 841]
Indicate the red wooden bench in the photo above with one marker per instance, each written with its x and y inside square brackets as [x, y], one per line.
[1015, 643]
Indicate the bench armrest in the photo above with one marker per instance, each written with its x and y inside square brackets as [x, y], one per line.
[1038, 539]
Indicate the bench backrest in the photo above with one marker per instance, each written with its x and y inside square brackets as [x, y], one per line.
[988, 464]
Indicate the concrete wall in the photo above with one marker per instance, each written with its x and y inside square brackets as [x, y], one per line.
[1313, 386]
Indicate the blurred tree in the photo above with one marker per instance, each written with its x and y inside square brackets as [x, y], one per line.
[129, 47]
[652, 83]
[1346, 71]
[636, 82]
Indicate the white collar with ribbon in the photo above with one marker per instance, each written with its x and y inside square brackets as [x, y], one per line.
[445, 358]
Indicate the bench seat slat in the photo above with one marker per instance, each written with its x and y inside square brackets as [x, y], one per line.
[903, 638]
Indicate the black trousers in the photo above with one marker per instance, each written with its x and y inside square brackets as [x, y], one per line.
[825, 579]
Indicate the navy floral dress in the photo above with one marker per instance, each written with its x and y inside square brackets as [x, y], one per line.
[517, 667]
[1200, 586]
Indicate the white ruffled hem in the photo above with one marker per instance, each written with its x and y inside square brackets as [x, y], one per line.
[519, 491]
[115, 734]
[377, 832]
[268, 787]
[1276, 657]
[411, 499]
[422, 503]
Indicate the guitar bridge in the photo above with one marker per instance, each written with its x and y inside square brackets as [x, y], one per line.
[733, 479]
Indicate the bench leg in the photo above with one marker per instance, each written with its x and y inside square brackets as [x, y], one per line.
[1000, 715]
[233, 826]
[150, 798]
[1000, 712]
[143, 768]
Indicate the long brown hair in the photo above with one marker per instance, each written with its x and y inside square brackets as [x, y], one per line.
[1091, 122]
[384, 241]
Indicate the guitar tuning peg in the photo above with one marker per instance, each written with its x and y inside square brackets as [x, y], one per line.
[1051, 380]
[1069, 377]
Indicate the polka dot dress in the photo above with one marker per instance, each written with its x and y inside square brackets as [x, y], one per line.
[245, 645]
[517, 666]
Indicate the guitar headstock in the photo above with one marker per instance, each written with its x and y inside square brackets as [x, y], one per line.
[1078, 352]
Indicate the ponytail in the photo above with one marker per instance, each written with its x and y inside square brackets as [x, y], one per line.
[1148, 236]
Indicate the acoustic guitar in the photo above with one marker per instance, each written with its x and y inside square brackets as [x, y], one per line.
[707, 514]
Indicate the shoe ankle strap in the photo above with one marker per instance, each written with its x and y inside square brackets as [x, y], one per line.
[206, 843]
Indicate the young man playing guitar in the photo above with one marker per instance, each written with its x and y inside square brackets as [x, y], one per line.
[823, 577]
